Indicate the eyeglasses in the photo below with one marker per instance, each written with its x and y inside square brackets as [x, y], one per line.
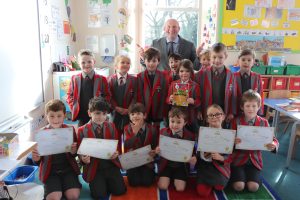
[217, 115]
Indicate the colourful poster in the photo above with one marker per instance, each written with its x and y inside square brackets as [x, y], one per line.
[181, 94]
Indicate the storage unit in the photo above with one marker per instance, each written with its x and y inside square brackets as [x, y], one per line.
[265, 83]
[279, 83]
[275, 70]
[21, 174]
[294, 83]
[260, 69]
[292, 70]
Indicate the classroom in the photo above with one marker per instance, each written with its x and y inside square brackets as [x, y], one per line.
[141, 99]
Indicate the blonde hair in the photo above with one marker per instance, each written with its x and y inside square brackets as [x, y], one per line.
[119, 58]
[204, 53]
[86, 52]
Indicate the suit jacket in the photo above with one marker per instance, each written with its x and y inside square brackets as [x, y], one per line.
[187, 135]
[154, 97]
[194, 92]
[256, 84]
[87, 131]
[130, 97]
[186, 49]
[73, 94]
[205, 80]
[46, 161]
[241, 157]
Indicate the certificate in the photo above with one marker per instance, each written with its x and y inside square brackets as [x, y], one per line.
[174, 149]
[54, 141]
[97, 148]
[136, 158]
[216, 140]
[254, 137]
[181, 94]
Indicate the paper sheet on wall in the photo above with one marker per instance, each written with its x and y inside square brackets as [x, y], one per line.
[92, 43]
[286, 4]
[100, 13]
[263, 3]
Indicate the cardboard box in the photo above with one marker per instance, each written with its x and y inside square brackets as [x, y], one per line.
[8, 143]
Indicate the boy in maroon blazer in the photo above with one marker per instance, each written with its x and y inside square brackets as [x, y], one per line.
[247, 164]
[123, 89]
[139, 134]
[174, 62]
[58, 172]
[103, 176]
[85, 86]
[244, 80]
[153, 88]
[216, 82]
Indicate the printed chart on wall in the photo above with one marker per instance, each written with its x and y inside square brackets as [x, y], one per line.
[263, 25]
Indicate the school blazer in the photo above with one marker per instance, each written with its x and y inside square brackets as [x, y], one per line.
[241, 157]
[154, 97]
[204, 78]
[86, 131]
[256, 84]
[73, 94]
[194, 92]
[130, 90]
[46, 161]
[187, 135]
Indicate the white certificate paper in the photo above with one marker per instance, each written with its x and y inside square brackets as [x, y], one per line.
[97, 148]
[216, 140]
[254, 137]
[174, 149]
[54, 141]
[136, 158]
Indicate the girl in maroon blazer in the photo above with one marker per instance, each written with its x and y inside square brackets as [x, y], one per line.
[58, 172]
[247, 164]
[139, 134]
[244, 80]
[185, 72]
[123, 89]
[213, 169]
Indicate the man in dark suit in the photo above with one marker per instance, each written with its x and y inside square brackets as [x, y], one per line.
[171, 43]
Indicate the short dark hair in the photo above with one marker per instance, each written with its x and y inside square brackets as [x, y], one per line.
[85, 52]
[251, 95]
[152, 53]
[178, 112]
[55, 105]
[175, 56]
[186, 64]
[219, 47]
[99, 104]
[136, 108]
[247, 52]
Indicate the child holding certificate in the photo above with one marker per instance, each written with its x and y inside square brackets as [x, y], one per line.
[170, 170]
[213, 169]
[185, 92]
[123, 89]
[244, 80]
[103, 176]
[247, 164]
[58, 172]
[139, 134]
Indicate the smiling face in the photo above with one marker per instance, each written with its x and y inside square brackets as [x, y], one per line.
[184, 74]
[152, 64]
[174, 64]
[250, 109]
[98, 117]
[171, 29]
[56, 119]
[218, 59]
[205, 61]
[176, 123]
[86, 63]
[215, 117]
[123, 66]
[137, 117]
[246, 62]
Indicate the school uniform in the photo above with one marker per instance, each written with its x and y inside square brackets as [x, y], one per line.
[103, 176]
[247, 164]
[212, 172]
[82, 88]
[242, 83]
[193, 109]
[152, 92]
[172, 76]
[123, 91]
[147, 135]
[215, 88]
[59, 172]
[171, 169]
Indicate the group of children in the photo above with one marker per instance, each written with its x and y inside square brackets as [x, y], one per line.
[142, 108]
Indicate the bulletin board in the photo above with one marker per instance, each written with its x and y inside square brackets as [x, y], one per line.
[260, 24]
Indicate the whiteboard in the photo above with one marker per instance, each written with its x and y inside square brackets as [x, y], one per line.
[20, 61]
